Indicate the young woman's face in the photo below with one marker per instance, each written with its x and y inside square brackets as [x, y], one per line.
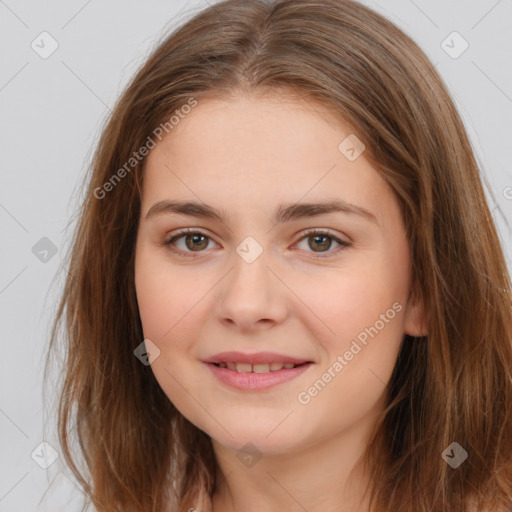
[257, 283]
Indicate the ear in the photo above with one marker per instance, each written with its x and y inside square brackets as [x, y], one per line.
[416, 318]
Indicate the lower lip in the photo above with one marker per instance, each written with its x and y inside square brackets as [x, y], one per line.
[249, 381]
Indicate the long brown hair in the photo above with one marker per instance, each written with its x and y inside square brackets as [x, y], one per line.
[452, 385]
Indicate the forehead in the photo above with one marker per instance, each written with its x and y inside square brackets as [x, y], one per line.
[245, 124]
[259, 151]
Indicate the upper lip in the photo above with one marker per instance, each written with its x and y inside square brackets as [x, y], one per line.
[255, 358]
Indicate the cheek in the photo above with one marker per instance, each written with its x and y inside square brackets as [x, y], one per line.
[359, 315]
[154, 300]
[166, 301]
[365, 311]
[165, 297]
[342, 303]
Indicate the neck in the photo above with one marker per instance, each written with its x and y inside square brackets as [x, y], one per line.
[328, 476]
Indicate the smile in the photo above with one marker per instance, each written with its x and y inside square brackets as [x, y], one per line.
[256, 377]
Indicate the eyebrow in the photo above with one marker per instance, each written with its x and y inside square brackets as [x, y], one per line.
[283, 213]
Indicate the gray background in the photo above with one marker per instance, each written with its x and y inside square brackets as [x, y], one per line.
[51, 112]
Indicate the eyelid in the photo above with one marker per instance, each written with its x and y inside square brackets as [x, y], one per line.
[186, 231]
[324, 231]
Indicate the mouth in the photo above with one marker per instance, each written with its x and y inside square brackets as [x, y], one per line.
[256, 377]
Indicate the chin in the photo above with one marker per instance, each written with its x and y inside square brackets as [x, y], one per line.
[260, 438]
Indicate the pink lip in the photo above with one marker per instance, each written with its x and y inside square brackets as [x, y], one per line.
[248, 381]
[256, 358]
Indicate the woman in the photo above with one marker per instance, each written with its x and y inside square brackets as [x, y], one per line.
[270, 369]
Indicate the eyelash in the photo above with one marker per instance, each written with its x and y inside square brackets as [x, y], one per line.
[307, 234]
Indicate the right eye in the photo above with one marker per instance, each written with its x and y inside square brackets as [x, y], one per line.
[193, 238]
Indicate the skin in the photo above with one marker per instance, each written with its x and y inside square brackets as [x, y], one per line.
[247, 155]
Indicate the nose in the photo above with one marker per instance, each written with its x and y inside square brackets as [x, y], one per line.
[252, 296]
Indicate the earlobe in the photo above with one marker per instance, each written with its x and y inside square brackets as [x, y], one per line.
[416, 318]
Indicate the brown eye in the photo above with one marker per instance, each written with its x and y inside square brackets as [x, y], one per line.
[194, 241]
[320, 242]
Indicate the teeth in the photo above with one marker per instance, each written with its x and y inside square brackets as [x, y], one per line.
[243, 367]
[260, 368]
[256, 368]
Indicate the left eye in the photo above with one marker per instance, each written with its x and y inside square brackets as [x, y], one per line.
[323, 240]
[196, 241]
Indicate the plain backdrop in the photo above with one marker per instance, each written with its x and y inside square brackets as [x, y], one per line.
[52, 107]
